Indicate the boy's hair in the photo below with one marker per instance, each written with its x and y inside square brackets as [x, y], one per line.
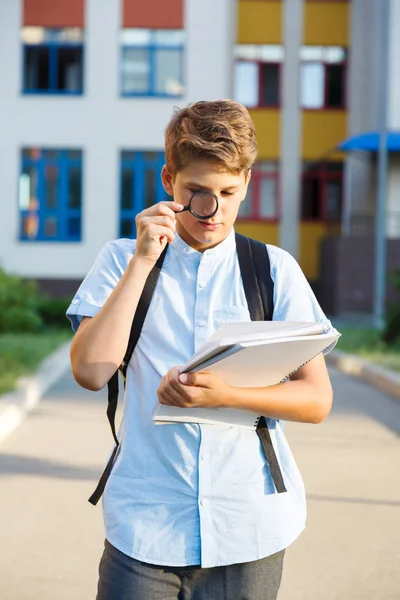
[221, 131]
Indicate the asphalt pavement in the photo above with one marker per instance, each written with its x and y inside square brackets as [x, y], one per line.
[51, 538]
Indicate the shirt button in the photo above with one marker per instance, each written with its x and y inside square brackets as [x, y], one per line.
[75, 301]
[200, 323]
[204, 502]
[202, 284]
[205, 455]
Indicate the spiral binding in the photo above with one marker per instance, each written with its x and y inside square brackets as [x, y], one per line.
[326, 330]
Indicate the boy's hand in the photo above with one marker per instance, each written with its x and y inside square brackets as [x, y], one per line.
[191, 390]
[155, 228]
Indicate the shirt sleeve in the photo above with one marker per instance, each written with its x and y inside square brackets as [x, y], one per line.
[99, 283]
[294, 299]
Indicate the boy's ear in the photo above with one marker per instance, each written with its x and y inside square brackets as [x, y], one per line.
[167, 181]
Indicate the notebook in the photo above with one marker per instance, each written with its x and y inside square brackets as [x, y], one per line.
[253, 354]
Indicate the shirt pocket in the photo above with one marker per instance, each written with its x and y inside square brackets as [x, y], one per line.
[230, 315]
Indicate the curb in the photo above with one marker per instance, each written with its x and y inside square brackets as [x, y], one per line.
[385, 380]
[16, 405]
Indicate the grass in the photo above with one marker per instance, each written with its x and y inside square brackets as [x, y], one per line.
[21, 353]
[365, 342]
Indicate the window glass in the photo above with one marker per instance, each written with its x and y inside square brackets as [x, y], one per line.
[168, 37]
[51, 186]
[50, 227]
[245, 209]
[333, 200]
[127, 189]
[312, 85]
[246, 83]
[335, 85]
[267, 198]
[126, 228]
[135, 37]
[150, 192]
[269, 85]
[69, 73]
[135, 70]
[50, 195]
[74, 227]
[53, 60]
[310, 202]
[74, 188]
[168, 69]
[36, 68]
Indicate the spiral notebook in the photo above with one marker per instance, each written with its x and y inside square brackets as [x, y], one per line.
[255, 354]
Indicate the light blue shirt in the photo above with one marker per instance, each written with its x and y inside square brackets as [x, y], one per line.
[188, 494]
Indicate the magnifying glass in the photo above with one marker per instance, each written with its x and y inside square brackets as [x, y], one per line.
[202, 205]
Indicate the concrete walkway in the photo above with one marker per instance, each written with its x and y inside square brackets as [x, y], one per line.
[51, 537]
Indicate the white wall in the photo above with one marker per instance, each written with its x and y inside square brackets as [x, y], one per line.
[101, 123]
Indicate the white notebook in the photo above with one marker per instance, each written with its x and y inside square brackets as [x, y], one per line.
[254, 354]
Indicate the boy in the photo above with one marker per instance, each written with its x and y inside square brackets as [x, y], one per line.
[190, 510]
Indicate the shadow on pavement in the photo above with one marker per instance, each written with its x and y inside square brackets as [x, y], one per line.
[13, 464]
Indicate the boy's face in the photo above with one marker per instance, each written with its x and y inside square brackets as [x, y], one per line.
[230, 190]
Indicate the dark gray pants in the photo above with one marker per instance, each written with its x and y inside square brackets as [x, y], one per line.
[124, 578]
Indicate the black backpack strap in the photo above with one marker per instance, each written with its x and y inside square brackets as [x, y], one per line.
[263, 272]
[137, 324]
[259, 290]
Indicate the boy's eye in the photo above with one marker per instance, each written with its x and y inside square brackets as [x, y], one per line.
[224, 193]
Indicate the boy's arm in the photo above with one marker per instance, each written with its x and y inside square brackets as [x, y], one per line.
[306, 398]
[100, 343]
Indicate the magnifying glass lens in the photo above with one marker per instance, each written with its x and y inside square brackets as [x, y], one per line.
[203, 205]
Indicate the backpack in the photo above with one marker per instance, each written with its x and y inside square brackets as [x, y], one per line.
[258, 287]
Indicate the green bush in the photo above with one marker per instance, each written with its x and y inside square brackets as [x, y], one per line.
[19, 304]
[52, 311]
[391, 332]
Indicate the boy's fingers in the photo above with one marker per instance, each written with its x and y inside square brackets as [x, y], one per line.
[196, 379]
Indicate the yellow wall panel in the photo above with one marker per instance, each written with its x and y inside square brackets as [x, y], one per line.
[268, 130]
[265, 232]
[326, 23]
[310, 237]
[259, 22]
[322, 130]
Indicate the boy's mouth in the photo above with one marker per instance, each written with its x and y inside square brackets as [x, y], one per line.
[208, 225]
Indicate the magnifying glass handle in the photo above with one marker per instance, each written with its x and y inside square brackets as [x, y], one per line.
[183, 209]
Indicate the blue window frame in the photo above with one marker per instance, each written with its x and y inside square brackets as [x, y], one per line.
[152, 62]
[50, 195]
[52, 61]
[140, 187]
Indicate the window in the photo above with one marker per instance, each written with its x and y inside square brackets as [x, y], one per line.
[257, 75]
[261, 201]
[322, 192]
[322, 77]
[53, 60]
[140, 186]
[50, 195]
[152, 62]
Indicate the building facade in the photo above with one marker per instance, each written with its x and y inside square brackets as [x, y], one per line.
[88, 87]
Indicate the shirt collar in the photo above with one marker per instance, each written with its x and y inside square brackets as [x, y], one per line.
[219, 252]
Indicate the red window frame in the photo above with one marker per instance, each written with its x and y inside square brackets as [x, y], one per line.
[259, 64]
[257, 176]
[323, 175]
